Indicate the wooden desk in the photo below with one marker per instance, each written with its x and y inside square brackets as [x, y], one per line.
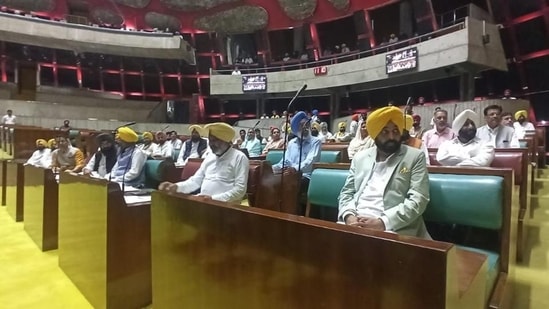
[213, 255]
[15, 177]
[41, 196]
[3, 181]
[104, 244]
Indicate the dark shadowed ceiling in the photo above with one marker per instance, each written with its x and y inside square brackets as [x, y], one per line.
[228, 16]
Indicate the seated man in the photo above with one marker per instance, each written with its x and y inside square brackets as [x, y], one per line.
[223, 176]
[466, 149]
[494, 133]
[41, 157]
[164, 149]
[522, 124]
[388, 185]
[252, 144]
[66, 157]
[416, 130]
[324, 134]
[411, 141]
[440, 133]
[342, 136]
[301, 152]
[103, 160]
[507, 119]
[195, 147]
[130, 160]
[175, 141]
[148, 147]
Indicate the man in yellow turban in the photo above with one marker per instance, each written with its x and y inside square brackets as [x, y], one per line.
[342, 136]
[195, 147]
[388, 186]
[128, 169]
[522, 124]
[148, 146]
[223, 175]
[41, 157]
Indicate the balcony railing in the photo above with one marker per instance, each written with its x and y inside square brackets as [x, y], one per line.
[295, 64]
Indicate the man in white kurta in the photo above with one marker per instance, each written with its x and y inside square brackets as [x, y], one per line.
[522, 124]
[41, 157]
[164, 149]
[466, 149]
[223, 176]
[148, 147]
[494, 133]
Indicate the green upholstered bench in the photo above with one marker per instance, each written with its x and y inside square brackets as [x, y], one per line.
[153, 173]
[467, 200]
[470, 201]
[326, 156]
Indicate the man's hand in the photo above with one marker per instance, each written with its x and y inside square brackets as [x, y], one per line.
[86, 171]
[168, 187]
[289, 171]
[205, 197]
[351, 220]
[370, 223]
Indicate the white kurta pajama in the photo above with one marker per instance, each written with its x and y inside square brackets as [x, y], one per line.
[223, 178]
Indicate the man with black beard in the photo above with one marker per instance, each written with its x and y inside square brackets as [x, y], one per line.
[466, 149]
[223, 176]
[388, 186]
[103, 160]
[315, 128]
[195, 147]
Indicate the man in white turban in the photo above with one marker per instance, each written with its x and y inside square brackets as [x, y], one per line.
[223, 175]
[466, 149]
[388, 186]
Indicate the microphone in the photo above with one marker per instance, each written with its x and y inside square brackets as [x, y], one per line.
[166, 127]
[255, 125]
[297, 94]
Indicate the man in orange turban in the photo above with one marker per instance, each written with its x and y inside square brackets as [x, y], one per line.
[388, 186]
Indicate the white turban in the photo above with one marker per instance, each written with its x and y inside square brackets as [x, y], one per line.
[462, 117]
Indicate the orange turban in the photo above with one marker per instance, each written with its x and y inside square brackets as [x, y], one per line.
[379, 118]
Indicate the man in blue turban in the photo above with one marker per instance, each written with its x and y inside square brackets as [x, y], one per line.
[301, 153]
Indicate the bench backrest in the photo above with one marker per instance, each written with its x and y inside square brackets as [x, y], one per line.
[325, 186]
[470, 200]
[330, 156]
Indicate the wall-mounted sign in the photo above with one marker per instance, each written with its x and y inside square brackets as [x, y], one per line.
[401, 61]
[254, 83]
[320, 70]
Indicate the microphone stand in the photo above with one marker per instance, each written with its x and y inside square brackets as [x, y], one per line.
[287, 124]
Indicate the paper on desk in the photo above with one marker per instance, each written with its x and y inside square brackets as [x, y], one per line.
[136, 199]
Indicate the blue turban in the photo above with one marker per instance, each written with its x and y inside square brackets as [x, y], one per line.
[296, 121]
[315, 112]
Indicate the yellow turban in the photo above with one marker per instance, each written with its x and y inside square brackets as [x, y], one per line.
[220, 130]
[51, 142]
[409, 122]
[316, 125]
[342, 124]
[378, 119]
[41, 142]
[127, 135]
[198, 129]
[148, 135]
[521, 113]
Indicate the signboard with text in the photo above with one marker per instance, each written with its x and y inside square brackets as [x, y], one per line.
[320, 70]
[403, 60]
[254, 83]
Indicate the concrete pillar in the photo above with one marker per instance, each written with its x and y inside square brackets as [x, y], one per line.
[259, 107]
[335, 105]
[299, 40]
[467, 87]
[406, 18]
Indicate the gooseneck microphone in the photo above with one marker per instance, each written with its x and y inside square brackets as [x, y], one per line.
[297, 94]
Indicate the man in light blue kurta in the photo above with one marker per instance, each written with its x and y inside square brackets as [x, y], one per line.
[252, 144]
[388, 185]
[293, 162]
